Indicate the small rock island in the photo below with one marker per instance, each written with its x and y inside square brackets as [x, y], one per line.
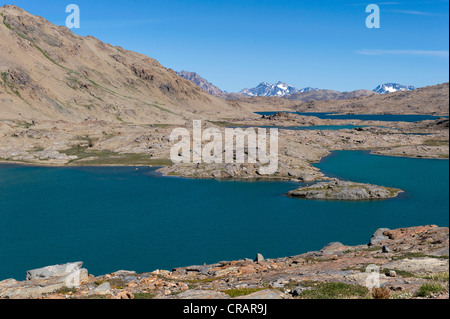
[343, 190]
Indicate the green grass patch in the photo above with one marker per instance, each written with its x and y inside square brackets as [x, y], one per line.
[4, 22]
[66, 291]
[201, 281]
[144, 295]
[95, 297]
[225, 124]
[401, 273]
[49, 58]
[117, 283]
[4, 75]
[11, 86]
[161, 108]
[334, 290]
[374, 248]
[435, 142]
[106, 89]
[430, 288]
[417, 255]
[87, 157]
[438, 277]
[233, 293]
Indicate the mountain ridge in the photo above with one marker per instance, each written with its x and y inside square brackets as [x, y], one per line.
[202, 83]
[284, 90]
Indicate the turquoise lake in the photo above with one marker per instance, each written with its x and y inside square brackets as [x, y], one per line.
[365, 117]
[118, 218]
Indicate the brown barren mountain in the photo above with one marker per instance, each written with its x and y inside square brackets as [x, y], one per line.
[328, 95]
[48, 72]
[427, 100]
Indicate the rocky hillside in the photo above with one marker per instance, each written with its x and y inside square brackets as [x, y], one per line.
[48, 72]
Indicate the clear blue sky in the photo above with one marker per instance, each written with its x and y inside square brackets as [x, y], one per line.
[240, 43]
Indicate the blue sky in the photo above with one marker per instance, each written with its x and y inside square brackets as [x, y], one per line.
[240, 43]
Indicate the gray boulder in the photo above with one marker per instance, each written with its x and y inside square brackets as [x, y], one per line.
[53, 271]
[103, 289]
[307, 178]
[378, 236]
[259, 258]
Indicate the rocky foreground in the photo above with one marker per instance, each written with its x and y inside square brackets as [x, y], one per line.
[411, 262]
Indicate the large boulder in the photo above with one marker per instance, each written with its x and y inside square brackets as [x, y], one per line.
[53, 271]
[44, 281]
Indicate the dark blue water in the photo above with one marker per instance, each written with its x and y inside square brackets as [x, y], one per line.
[365, 117]
[120, 218]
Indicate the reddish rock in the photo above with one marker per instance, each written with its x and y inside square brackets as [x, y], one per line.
[407, 232]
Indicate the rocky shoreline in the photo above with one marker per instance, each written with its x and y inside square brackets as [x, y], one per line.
[100, 143]
[411, 262]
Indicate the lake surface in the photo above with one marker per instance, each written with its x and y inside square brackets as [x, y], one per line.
[365, 117]
[120, 218]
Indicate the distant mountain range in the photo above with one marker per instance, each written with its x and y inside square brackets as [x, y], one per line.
[279, 89]
[283, 90]
[392, 87]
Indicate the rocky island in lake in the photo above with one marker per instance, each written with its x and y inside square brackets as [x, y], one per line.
[342, 190]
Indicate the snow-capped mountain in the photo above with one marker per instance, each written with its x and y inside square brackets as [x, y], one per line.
[279, 89]
[308, 89]
[392, 87]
